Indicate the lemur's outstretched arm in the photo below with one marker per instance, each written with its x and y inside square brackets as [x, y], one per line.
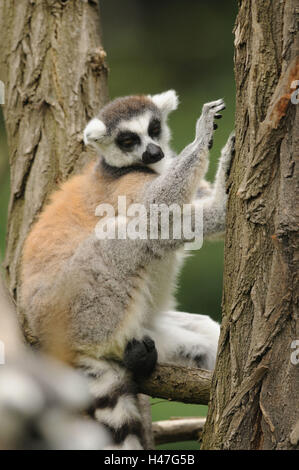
[212, 198]
[190, 167]
[180, 182]
[214, 205]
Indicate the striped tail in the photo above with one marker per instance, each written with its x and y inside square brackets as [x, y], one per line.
[115, 405]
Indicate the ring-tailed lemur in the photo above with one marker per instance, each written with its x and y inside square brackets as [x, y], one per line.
[116, 294]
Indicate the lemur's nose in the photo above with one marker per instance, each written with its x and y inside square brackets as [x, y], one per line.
[152, 154]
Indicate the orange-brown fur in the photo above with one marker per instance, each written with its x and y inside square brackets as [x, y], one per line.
[70, 216]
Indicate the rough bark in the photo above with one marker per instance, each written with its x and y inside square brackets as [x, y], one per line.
[255, 386]
[52, 65]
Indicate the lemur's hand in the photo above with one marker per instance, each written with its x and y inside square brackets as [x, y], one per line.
[205, 125]
[140, 357]
[228, 153]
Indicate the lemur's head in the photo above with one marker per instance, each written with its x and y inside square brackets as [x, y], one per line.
[133, 130]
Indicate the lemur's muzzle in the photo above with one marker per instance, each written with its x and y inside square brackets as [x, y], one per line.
[152, 154]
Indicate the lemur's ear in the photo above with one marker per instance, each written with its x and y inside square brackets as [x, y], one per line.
[94, 132]
[166, 102]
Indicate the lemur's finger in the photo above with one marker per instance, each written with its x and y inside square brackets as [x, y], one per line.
[212, 105]
[219, 108]
[149, 343]
[131, 344]
[219, 102]
[215, 126]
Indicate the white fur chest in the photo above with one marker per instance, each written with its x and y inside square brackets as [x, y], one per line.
[160, 284]
[152, 296]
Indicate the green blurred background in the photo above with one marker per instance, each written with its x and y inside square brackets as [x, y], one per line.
[153, 46]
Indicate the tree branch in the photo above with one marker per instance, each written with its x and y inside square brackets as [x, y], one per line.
[178, 429]
[145, 411]
[179, 383]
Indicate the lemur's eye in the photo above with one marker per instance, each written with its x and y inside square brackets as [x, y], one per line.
[127, 140]
[154, 128]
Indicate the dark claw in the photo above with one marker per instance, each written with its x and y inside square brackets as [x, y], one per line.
[233, 143]
[140, 357]
[233, 146]
[210, 144]
[149, 343]
[215, 126]
[201, 361]
[218, 116]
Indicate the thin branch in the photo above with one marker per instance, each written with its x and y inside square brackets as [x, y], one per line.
[178, 383]
[179, 429]
[145, 410]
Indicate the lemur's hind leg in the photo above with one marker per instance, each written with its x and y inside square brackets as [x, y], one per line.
[186, 339]
[140, 357]
[113, 386]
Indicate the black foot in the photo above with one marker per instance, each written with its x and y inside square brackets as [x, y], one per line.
[201, 361]
[140, 357]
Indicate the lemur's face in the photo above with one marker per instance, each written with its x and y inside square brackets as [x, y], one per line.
[134, 131]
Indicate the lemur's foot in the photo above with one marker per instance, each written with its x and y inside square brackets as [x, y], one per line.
[205, 125]
[140, 357]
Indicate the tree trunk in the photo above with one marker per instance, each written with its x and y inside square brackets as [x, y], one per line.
[55, 76]
[52, 65]
[255, 386]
